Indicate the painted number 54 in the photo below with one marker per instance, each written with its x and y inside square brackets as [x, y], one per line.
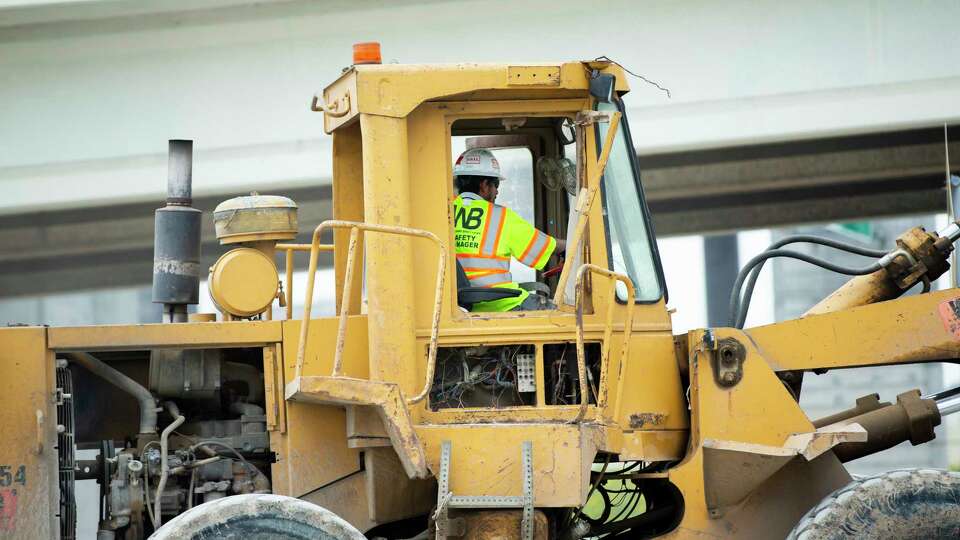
[13, 474]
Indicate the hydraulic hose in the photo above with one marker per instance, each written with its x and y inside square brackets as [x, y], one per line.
[739, 308]
[943, 394]
[164, 466]
[770, 254]
[148, 407]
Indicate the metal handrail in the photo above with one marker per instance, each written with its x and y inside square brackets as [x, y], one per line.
[587, 195]
[289, 249]
[607, 334]
[355, 228]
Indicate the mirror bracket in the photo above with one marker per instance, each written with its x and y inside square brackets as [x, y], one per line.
[602, 86]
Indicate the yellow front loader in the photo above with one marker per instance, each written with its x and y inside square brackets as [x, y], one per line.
[406, 414]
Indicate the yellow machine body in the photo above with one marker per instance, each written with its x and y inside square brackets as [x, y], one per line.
[243, 282]
[341, 392]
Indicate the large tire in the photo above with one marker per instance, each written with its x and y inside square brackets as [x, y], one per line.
[902, 504]
[257, 517]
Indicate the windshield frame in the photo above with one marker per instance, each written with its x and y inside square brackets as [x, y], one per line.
[624, 128]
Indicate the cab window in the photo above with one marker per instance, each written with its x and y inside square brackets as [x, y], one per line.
[521, 146]
[632, 250]
[515, 192]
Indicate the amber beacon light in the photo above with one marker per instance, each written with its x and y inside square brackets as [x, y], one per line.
[366, 53]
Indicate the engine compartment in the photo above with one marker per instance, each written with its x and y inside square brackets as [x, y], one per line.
[209, 440]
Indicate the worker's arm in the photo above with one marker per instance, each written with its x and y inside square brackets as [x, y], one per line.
[527, 244]
[561, 246]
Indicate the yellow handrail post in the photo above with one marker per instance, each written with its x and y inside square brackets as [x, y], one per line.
[289, 280]
[345, 302]
[607, 334]
[290, 249]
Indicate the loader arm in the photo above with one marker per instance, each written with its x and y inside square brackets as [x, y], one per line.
[751, 444]
[922, 328]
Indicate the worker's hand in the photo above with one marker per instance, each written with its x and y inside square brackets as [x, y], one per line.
[553, 270]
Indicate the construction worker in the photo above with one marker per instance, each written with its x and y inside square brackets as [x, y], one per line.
[487, 235]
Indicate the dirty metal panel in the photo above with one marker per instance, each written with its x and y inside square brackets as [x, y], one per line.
[758, 415]
[342, 100]
[732, 470]
[950, 315]
[338, 391]
[204, 334]
[319, 354]
[533, 75]
[365, 428]
[395, 90]
[28, 455]
[561, 454]
[393, 494]
[347, 497]
[272, 373]
[313, 453]
[665, 445]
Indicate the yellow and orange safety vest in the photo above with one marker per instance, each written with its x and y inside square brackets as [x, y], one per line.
[486, 236]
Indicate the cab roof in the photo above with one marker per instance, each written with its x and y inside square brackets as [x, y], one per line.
[395, 90]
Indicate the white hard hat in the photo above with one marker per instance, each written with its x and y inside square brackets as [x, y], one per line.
[477, 162]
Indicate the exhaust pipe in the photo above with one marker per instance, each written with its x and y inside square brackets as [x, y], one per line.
[180, 172]
[176, 239]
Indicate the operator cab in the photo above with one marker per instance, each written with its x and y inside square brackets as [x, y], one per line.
[569, 169]
[538, 158]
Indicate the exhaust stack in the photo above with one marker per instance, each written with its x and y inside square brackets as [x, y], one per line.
[176, 239]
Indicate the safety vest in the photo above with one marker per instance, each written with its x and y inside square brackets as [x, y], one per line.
[487, 235]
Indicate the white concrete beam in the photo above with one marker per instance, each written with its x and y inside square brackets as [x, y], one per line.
[87, 105]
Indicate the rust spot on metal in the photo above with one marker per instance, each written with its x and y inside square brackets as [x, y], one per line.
[180, 268]
[639, 420]
[8, 510]
[950, 315]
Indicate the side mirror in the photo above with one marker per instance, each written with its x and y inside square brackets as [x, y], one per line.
[602, 86]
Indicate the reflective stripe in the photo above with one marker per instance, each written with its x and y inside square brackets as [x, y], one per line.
[483, 263]
[503, 221]
[492, 229]
[464, 255]
[534, 249]
[490, 280]
[486, 227]
[488, 273]
[478, 273]
[537, 262]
